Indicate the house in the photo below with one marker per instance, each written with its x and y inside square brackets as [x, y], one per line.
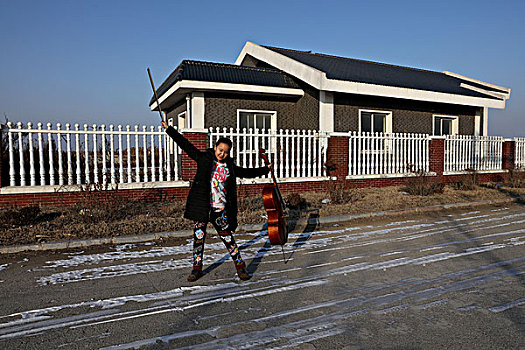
[275, 88]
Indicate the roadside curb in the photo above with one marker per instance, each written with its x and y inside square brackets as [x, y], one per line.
[248, 227]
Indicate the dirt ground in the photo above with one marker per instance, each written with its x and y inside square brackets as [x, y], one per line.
[107, 217]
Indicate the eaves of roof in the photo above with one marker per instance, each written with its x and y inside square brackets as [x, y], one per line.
[225, 73]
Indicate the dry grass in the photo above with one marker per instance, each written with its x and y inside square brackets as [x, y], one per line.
[50, 224]
[421, 184]
[53, 224]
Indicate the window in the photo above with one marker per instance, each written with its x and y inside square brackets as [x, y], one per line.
[264, 122]
[375, 121]
[445, 125]
[255, 120]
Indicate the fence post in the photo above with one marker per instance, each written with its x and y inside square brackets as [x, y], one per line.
[437, 156]
[338, 153]
[199, 138]
[509, 147]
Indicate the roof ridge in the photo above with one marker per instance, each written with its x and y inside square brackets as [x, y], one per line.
[357, 59]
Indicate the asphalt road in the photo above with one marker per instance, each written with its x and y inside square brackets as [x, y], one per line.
[452, 280]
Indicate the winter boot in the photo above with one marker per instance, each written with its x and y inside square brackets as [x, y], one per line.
[194, 275]
[241, 271]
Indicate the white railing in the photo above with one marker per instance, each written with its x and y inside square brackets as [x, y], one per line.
[294, 153]
[94, 154]
[519, 152]
[387, 153]
[467, 153]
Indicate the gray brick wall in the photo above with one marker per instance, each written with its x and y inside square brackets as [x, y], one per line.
[292, 112]
[407, 116]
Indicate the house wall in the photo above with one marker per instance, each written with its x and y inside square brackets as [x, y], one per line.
[407, 116]
[221, 109]
[292, 112]
[307, 110]
[307, 107]
[176, 110]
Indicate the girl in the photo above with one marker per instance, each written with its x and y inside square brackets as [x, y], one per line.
[213, 198]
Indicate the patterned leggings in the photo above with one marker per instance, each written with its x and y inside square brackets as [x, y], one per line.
[219, 221]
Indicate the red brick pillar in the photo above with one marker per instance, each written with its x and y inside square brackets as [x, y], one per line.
[437, 156]
[200, 140]
[337, 154]
[509, 151]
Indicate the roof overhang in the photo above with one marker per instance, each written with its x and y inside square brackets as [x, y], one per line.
[318, 80]
[179, 90]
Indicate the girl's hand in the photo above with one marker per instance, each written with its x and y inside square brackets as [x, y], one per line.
[270, 166]
[164, 125]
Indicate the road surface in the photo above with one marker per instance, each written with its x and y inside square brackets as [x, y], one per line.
[439, 280]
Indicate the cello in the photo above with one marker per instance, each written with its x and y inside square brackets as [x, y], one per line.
[274, 206]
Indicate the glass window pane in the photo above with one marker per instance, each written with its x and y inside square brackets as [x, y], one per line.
[366, 125]
[267, 122]
[259, 121]
[243, 119]
[437, 126]
[446, 125]
[379, 122]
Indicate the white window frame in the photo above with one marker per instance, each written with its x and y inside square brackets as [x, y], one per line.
[388, 121]
[171, 143]
[181, 119]
[273, 124]
[273, 117]
[455, 123]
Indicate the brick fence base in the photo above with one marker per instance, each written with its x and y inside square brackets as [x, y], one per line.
[180, 194]
[69, 198]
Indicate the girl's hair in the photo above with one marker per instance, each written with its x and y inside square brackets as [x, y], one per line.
[224, 140]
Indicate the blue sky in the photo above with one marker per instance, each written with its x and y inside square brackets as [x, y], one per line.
[85, 61]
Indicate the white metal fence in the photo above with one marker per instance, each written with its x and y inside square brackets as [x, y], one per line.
[465, 152]
[387, 153]
[94, 154]
[294, 153]
[520, 152]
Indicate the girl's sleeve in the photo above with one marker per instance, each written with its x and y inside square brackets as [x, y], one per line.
[250, 172]
[183, 143]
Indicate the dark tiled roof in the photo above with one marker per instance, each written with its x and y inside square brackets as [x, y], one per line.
[225, 73]
[354, 70]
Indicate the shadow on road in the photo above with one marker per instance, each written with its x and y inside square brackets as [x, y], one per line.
[460, 228]
[492, 258]
[514, 194]
[313, 222]
[226, 257]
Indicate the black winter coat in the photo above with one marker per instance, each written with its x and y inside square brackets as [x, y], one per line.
[198, 204]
